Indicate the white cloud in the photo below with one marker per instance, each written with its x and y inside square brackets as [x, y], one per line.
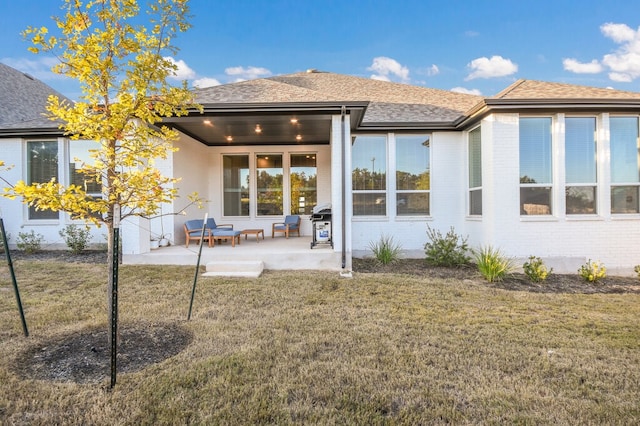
[203, 82]
[380, 77]
[183, 72]
[385, 68]
[467, 91]
[248, 73]
[471, 33]
[433, 70]
[593, 67]
[40, 68]
[496, 66]
[619, 33]
[623, 64]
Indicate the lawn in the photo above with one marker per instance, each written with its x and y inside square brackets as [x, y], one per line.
[314, 348]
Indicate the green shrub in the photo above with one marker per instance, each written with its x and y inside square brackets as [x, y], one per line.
[29, 242]
[386, 250]
[592, 271]
[448, 250]
[76, 237]
[636, 269]
[536, 270]
[492, 264]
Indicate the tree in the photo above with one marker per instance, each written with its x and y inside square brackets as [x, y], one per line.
[119, 64]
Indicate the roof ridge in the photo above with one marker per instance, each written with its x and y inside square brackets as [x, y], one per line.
[509, 89]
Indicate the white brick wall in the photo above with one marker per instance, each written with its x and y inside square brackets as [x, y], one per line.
[15, 213]
[565, 242]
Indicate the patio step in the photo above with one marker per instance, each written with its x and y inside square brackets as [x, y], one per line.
[237, 268]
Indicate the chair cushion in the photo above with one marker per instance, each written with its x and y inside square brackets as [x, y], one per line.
[220, 232]
[193, 224]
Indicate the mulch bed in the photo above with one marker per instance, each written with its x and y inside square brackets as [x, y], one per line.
[555, 283]
[85, 357]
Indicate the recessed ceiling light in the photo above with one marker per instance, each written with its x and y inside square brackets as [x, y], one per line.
[229, 139]
[258, 128]
[207, 122]
[294, 121]
[298, 137]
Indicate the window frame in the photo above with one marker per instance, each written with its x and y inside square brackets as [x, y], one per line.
[27, 178]
[634, 186]
[428, 168]
[382, 194]
[308, 204]
[282, 190]
[249, 184]
[568, 186]
[474, 189]
[548, 186]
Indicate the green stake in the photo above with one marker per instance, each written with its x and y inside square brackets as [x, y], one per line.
[13, 277]
[195, 278]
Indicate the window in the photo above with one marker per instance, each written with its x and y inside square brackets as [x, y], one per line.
[269, 184]
[369, 175]
[79, 155]
[303, 178]
[475, 172]
[235, 185]
[413, 175]
[580, 165]
[42, 166]
[535, 166]
[625, 165]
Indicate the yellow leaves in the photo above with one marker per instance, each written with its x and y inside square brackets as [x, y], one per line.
[119, 64]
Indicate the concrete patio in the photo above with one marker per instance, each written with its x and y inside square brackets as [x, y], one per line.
[275, 253]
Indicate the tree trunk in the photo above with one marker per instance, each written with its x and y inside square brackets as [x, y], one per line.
[110, 255]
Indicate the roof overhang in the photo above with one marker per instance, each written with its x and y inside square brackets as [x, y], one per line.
[265, 123]
[30, 132]
[544, 106]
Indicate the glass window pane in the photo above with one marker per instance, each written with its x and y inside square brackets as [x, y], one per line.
[475, 159]
[412, 162]
[412, 204]
[535, 201]
[79, 155]
[269, 184]
[475, 202]
[236, 185]
[580, 150]
[624, 199]
[370, 204]
[42, 166]
[625, 150]
[369, 160]
[581, 199]
[535, 150]
[303, 178]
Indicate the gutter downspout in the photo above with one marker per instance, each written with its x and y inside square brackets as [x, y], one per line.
[343, 208]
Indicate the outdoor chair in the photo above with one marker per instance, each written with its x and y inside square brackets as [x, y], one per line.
[193, 231]
[291, 224]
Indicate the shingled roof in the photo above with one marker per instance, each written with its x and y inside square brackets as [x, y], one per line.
[23, 100]
[388, 102]
[532, 89]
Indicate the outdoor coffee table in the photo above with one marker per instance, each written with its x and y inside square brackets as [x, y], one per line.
[255, 232]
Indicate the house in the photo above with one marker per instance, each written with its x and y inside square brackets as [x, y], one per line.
[544, 169]
[37, 150]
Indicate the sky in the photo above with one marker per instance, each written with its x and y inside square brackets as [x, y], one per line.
[470, 46]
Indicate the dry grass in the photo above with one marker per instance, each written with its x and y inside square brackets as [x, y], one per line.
[313, 348]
